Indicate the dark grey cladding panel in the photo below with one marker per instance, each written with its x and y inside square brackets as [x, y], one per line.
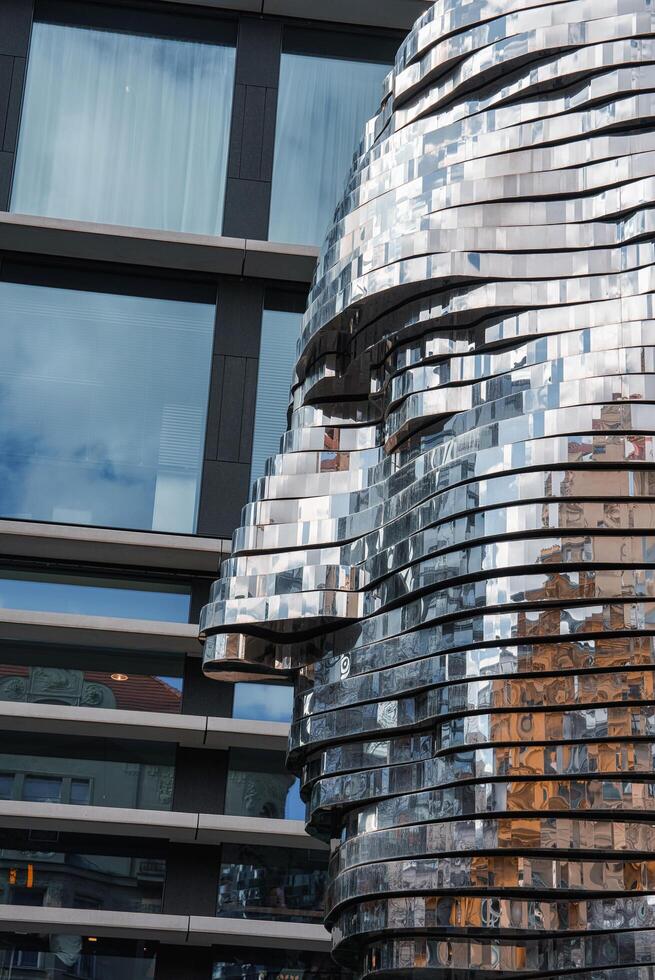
[12, 117]
[199, 785]
[15, 27]
[192, 876]
[6, 165]
[247, 205]
[454, 551]
[258, 61]
[224, 492]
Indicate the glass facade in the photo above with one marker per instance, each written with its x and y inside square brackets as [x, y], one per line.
[323, 104]
[60, 957]
[263, 702]
[277, 358]
[103, 404]
[79, 676]
[88, 772]
[125, 129]
[68, 879]
[272, 883]
[90, 596]
[268, 964]
[258, 785]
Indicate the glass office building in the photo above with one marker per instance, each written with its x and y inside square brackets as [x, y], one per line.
[167, 171]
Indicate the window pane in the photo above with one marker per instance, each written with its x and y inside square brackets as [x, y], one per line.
[258, 785]
[65, 878]
[52, 674]
[269, 964]
[6, 785]
[103, 403]
[323, 104]
[125, 129]
[272, 883]
[67, 956]
[95, 596]
[98, 772]
[262, 702]
[40, 789]
[277, 358]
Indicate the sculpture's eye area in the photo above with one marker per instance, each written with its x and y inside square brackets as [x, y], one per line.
[455, 554]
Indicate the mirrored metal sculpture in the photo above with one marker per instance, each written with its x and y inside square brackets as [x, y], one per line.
[453, 553]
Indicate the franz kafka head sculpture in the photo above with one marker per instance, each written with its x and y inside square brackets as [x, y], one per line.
[453, 553]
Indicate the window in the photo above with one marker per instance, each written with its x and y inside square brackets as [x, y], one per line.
[123, 127]
[51, 674]
[277, 359]
[41, 789]
[323, 103]
[90, 596]
[95, 772]
[64, 877]
[59, 955]
[258, 785]
[262, 702]
[103, 404]
[269, 964]
[272, 883]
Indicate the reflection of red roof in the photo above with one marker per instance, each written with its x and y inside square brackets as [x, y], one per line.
[139, 693]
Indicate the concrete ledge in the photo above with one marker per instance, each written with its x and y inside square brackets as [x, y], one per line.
[114, 821]
[223, 829]
[213, 255]
[171, 825]
[398, 14]
[99, 631]
[29, 539]
[197, 930]
[204, 931]
[195, 731]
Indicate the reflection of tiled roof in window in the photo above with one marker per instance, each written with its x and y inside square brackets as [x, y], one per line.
[140, 692]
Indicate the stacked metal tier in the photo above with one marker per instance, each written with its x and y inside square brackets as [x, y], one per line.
[453, 553]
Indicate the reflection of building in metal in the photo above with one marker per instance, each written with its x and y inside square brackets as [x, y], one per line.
[453, 552]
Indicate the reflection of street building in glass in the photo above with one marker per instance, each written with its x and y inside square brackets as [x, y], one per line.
[81, 881]
[453, 552]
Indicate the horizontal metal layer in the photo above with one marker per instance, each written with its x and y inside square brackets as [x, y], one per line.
[179, 929]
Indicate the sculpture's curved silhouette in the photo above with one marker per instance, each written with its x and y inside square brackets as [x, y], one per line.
[453, 552]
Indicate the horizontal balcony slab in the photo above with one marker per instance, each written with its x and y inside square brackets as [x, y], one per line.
[30, 626]
[193, 731]
[213, 255]
[65, 542]
[171, 825]
[178, 929]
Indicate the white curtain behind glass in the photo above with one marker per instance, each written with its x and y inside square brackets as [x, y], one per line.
[277, 358]
[323, 104]
[125, 129]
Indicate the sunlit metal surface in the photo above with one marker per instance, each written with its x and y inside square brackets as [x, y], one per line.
[454, 552]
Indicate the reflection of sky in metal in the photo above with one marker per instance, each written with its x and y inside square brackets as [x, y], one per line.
[102, 407]
[94, 597]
